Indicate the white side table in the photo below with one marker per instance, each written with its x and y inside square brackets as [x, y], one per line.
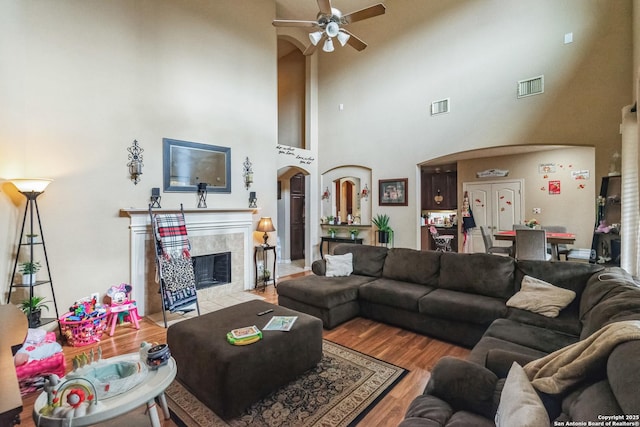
[154, 385]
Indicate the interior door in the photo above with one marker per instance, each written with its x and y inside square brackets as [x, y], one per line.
[496, 205]
[297, 224]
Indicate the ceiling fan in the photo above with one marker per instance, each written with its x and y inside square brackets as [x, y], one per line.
[329, 23]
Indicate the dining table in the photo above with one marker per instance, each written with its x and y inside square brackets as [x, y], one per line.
[553, 238]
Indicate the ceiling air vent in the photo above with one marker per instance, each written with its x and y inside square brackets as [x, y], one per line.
[532, 86]
[440, 107]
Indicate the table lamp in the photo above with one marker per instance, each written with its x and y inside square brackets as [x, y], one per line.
[266, 225]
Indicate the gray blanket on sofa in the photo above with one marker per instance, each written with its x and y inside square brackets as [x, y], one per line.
[567, 366]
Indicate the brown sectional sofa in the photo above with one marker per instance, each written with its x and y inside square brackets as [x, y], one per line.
[462, 298]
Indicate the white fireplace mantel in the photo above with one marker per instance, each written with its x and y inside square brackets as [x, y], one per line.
[200, 223]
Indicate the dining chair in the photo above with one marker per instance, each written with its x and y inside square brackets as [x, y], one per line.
[489, 246]
[531, 245]
[562, 248]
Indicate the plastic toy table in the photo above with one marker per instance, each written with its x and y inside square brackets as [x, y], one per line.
[154, 385]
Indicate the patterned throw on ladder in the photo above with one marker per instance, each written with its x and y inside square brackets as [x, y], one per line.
[175, 266]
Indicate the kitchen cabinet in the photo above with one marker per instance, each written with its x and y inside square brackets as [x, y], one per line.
[443, 184]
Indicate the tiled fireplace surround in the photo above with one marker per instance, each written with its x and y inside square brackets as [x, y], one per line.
[210, 231]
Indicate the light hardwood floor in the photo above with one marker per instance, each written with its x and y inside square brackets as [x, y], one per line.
[416, 353]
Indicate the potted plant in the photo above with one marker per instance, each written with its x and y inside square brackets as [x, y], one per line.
[32, 308]
[381, 221]
[354, 233]
[29, 270]
[330, 219]
[267, 275]
[332, 232]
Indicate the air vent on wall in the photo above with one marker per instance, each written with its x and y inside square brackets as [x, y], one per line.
[532, 86]
[440, 107]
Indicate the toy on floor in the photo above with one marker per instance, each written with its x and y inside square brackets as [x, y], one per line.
[121, 308]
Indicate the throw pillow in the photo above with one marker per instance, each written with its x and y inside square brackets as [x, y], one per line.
[339, 265]
[541, 297]
[519, 402]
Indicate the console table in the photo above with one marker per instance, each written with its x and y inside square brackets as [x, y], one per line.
[330, 240]
[263, 280]
[14, 324]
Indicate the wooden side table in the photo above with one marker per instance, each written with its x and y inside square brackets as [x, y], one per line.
[14, 324]
[261, 280]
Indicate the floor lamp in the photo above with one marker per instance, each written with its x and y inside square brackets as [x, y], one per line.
[31, 189]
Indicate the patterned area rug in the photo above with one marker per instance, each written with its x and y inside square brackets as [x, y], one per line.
[339, 391]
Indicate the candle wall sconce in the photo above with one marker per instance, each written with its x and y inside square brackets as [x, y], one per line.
[253, 200]
[202, 194]
[247, 173]
[135, 161]
[155, 198]
[326, 194]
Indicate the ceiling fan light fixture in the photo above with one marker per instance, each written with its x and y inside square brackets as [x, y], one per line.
[332, 29]
[343, 38]
[315, 37]
[328, 46]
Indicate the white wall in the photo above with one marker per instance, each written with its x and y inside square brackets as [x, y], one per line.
[82, 79]
[474, 52]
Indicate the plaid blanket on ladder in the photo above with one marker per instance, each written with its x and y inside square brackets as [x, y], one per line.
[171, 234]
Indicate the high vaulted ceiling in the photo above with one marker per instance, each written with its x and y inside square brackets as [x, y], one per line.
[308, 9]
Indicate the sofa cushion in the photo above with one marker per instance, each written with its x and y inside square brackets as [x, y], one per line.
[321, 291]
[461, 306]
[339, 265]
[426, 410]
[530, 336]
[481, 274]
[567, 321]
[568, 275]
[519, 402]
[610, 296]
[541, 297]
[413, 266]
[480, 352]
[367, 260]
[464, 385]
[394, 293]
[624, 377]
[589, 402]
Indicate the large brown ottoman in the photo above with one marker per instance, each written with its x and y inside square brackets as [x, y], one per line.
[229, 378]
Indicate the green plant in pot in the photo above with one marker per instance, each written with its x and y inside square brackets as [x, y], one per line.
[381, 221]
[267, 275]
[32, 308]
[29, 270]
[354, 233]
[332, 232]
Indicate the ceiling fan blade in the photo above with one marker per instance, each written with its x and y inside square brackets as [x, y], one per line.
[367, 12]
[355, 41]
[293, 23]
[312, 47]
[325, 7]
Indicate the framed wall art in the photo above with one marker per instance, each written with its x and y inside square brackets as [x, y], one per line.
[554, 187]
[392, 192]
[186, 164]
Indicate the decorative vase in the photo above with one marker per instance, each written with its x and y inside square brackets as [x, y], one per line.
[383, 236]
[332, 234]
[34, 318]
[29, 279]
[353, 236]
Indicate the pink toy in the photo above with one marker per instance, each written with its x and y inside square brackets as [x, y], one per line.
[603, 227]
[121, 306]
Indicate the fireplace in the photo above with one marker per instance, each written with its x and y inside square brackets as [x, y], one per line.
[211, 231]
[212, 269]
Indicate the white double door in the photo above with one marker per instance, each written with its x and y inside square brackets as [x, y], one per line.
[495, 205]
